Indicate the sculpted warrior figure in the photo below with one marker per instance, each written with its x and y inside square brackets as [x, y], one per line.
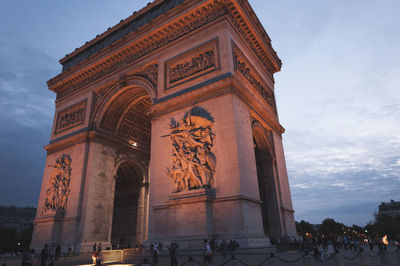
[58, 191]
[193, 162]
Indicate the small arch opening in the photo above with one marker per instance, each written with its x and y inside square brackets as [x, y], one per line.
[128, 213]
[265, 177]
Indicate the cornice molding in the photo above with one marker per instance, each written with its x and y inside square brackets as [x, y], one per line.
[230, 84]
[255, 106]
[287, 210]
[122, 145]
[68, 82]
[94, 135]
[67, 142]
[138, 49]
[152, 12]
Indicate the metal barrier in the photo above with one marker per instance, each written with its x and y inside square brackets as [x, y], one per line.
[306, 259]
[293, 246]
[120, 255]
[108, 256]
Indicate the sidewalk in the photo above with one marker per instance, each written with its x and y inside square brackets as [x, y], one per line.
[242, 257]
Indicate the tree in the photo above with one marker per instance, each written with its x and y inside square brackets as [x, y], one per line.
[385, 225]
[304, 227]
[331, 227]
[12, 241]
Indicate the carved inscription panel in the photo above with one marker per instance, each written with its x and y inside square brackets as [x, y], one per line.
[193, 161]
[71, 117]
[192, 64]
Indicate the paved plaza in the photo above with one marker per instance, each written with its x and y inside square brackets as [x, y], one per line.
[247, 258]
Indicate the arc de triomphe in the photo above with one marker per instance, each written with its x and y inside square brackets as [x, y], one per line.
[166, 129]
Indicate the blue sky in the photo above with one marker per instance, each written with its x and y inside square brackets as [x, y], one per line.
[337, 95]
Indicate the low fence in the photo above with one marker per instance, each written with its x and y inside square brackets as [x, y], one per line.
[295, 246]
[120, 255]
[108, 256]
[304, 259]
[360, 258]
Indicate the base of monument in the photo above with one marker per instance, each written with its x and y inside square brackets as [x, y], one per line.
[80, 248]
[194, 243]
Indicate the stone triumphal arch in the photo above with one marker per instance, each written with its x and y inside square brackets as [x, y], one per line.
[166, 129]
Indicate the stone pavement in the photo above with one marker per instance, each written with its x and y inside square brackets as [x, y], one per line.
[247, 258]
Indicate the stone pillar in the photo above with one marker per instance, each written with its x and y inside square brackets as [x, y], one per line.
[230, 207]
[141, 215]
[98, 198]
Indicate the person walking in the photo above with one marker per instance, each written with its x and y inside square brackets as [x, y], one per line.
[27, 258]
[155, 254]
[44, 255]
[207, 252]
[370, 244]
[172, 253]
[57, 253]
[224, 248]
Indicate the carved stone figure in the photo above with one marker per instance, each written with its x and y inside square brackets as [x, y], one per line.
[193, 162]
[58, 191]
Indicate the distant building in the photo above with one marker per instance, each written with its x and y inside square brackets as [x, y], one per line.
[16, 217]
[392, 208]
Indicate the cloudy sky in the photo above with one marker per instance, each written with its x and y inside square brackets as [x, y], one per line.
[337, 94]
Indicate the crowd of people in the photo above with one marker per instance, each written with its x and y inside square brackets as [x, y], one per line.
[210, 247]
[322, 246]
[326, 245]
[47, 256]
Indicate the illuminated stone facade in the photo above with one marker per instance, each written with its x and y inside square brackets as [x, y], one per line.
[169, 127]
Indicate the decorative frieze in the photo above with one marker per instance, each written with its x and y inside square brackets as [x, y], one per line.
[268, 57]
[165, 35]
[243, 66]
[192, 64]
[71, 117]
[58, 191]
[193, 162]
[143, 47]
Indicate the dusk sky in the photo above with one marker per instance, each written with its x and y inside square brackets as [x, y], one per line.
[338, 95]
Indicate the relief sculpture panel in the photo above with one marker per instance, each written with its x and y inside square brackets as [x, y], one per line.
[193, 160]
[58, 191]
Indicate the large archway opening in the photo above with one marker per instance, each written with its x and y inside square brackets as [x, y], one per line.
[129, 212]
[265, 177]
[125, 124]
[125, 211]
